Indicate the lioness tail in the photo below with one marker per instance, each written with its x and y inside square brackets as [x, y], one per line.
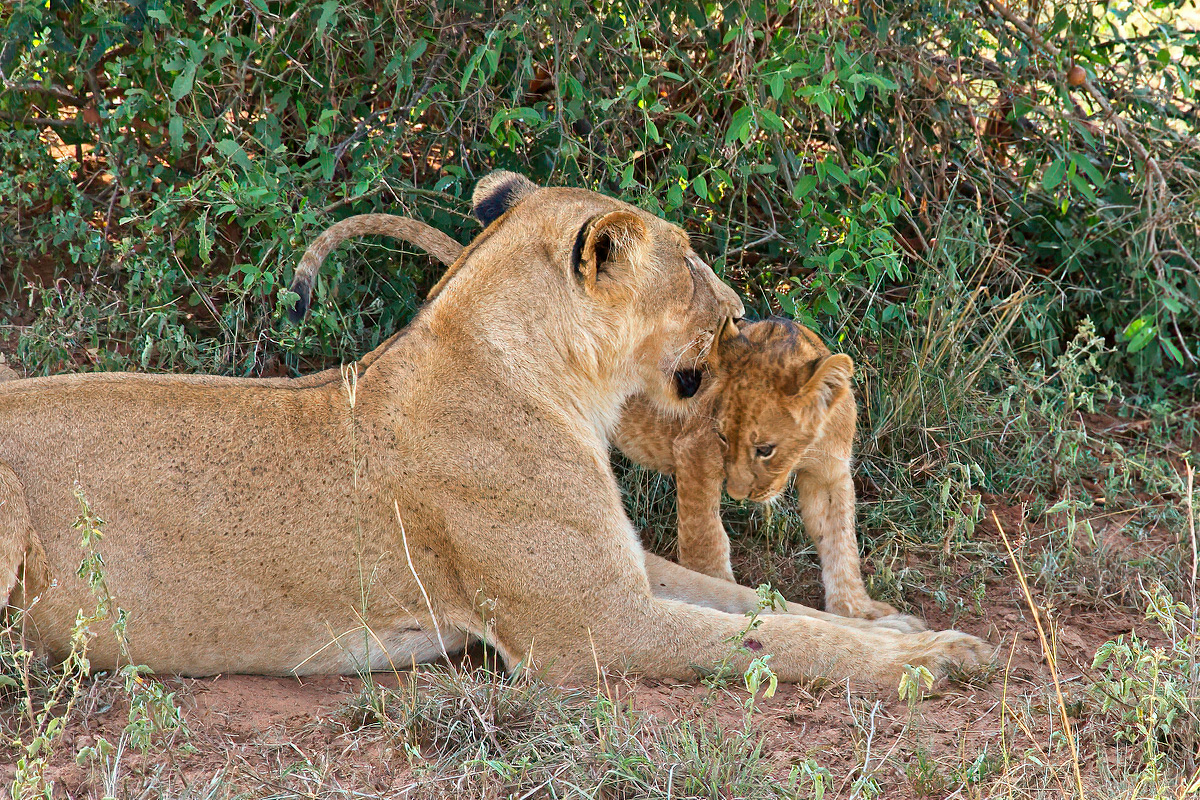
[433, 241]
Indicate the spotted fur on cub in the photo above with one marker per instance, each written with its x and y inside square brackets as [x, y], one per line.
[777, 407]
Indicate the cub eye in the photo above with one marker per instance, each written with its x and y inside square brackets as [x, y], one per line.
[764, 450]
[721, 436]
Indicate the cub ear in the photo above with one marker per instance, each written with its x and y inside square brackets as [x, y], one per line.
[497, 192]
[722, 339]
[829, 383]
[607, 247]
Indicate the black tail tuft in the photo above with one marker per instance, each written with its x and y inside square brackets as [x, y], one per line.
[302, 287]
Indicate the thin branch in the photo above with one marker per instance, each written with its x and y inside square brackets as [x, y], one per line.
[46, 88]
[61, 124]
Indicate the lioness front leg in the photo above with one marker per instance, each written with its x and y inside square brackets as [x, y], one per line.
[699, 476]
[609, 622]
[671, 581]
[825, 493]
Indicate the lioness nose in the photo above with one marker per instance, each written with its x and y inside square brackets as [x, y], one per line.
[731, 304]
[727, 301]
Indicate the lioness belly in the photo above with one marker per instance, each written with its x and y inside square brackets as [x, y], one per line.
[232, 543]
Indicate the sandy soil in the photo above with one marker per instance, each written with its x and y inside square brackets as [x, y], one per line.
[246, 731]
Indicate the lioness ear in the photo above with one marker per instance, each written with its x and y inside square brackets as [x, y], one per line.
[497, 192]
[607, 246]
[829, 383]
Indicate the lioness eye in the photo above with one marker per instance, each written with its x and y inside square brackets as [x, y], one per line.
[765, 450]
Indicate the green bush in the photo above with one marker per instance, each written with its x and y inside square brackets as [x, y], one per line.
[168, 160]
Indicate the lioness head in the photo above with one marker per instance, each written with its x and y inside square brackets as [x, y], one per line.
[625, 299]
[778, 386]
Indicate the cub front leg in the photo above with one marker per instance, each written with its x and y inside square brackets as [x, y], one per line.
[825, 493]
[699, 477]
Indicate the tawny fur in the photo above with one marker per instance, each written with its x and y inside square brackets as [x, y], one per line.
[275, 526]
[774, 382]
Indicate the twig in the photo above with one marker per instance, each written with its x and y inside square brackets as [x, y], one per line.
[38, 87]
[1191, 514]
[1048, 653]
[428, 605]
[735, 250]
[44, 121]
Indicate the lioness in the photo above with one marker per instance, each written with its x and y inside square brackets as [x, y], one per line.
[457, 485]
[776, 406]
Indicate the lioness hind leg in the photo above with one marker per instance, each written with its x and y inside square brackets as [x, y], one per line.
[19, 546]
[825, 493]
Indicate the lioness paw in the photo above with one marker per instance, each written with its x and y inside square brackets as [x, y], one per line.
[943, 651]
[904, 623]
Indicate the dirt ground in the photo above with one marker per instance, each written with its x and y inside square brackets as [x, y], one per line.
[247, 731]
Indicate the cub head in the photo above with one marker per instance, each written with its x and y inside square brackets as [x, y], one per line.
[780, 392]
[618, 293]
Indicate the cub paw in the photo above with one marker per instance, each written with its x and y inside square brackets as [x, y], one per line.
[716, 568]
[861, 607]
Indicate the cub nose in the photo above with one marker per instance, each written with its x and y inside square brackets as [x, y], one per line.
[737, 487]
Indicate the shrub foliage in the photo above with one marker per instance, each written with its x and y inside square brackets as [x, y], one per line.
[165, 160]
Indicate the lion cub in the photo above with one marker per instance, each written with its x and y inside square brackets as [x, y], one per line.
[776, 406]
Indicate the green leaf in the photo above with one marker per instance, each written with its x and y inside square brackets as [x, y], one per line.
[1140, 333]
[328, 11]
[175, 131]
[510, 114]
[1082, 186]
[770, 120]
[775, 84]
[834, 170]
[472, 65]
[1172, 350]
[183, 82]
[1083, 163]
[234, 152]
[700, 187]
[1054, 175]
[804, 185]
[739, 126]
[652, 130]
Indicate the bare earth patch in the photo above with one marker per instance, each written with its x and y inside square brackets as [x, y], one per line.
[265, 736]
